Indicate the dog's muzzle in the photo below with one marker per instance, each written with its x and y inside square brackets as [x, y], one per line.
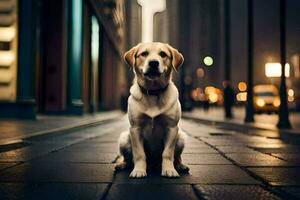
[153, 70]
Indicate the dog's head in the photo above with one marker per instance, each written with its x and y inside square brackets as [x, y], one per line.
[153, 63]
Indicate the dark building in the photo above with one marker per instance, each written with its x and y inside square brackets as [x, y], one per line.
[60, 56]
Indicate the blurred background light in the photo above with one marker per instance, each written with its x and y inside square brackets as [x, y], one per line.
[276, 102]
[149, 8]
[208, 61]
[260, 102]
[6, 58]
[274, 69]
[7, 34]
[241, 96]
[95, 39]
[291, 94]
[242, 86]
[200, 72]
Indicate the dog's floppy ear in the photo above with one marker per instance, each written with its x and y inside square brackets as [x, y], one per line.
[129, 56]
[177, 58]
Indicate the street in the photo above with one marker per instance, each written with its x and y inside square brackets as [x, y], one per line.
[79, 164]
[70, 70]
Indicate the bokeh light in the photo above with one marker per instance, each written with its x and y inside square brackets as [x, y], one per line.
[242, 86]
[200, 72]
[208, 61]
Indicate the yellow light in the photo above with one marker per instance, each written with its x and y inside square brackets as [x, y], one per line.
[241, 96]
[208, 61]
[290, 98]
[209, 89]
[5, 77]
[242, 86]
[276, 102]
[7, 34]
[291, 92]
[274, 69]
[260, 102]
[6, 58]
[213, 97]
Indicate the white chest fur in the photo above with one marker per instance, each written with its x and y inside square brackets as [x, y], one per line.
[153, 105]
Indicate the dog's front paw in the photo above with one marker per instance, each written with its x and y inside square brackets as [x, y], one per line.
[181, 168]
[171, 173]
[121, 166]
[138, 173]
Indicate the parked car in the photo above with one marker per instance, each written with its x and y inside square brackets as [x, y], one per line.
[266, 99]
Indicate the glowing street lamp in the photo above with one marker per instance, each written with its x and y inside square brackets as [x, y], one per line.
[208, 61]
[149, 8]
[274, 70]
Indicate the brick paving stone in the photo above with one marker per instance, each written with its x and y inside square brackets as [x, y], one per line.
[91, 144]
[206, 174]
[291, 191]
[235, 149]
[280, 149]
[199, 150]
[256, 159]
[207, 159]
[279, 175]
[223, 142]
[51, 191]
[27, 153]
[15, 190]
[4, 165]
[58, 172]
[229, 192]
[259, 140]
[79, 157]
[266, 147]
[292, 158]
[195, 144]
[107, 137]
[150, 191]
[93, 149]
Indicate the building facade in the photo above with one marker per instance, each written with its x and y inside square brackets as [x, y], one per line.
[60, 56]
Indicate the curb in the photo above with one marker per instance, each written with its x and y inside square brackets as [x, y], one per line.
[79, 125]
[239, 126]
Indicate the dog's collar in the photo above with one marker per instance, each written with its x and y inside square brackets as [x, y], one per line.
[156, 92]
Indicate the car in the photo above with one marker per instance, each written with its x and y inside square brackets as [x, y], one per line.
[266, 99]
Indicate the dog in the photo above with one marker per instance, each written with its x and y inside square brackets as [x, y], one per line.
[154, 112]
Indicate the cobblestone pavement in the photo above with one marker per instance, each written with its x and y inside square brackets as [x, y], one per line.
[224, 164]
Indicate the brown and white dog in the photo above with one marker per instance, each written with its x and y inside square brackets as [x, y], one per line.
[154, 112]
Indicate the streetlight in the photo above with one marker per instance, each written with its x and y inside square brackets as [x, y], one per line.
[149, 8]
[227, 53]
[275, 70]
[249, 106]
[283, 121]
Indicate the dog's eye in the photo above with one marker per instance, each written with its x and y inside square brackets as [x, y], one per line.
[163, 54]
[144, 54]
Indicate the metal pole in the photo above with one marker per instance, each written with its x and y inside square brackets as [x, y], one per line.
[283, 121]
[249, 106]
[227, 54]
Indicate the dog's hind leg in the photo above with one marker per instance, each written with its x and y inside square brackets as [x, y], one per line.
[125, 152]
[179, 166]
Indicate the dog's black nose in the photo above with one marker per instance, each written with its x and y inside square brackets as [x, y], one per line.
[153, 63]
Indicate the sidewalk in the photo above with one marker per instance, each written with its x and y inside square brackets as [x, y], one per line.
[262, 121]
[80, 165]
[13, 130]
